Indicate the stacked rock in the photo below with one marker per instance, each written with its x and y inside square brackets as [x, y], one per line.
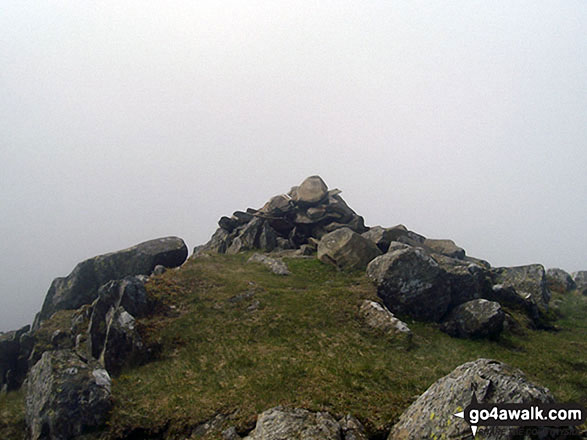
[287, 221]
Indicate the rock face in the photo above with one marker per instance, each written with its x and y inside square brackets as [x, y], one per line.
[276, 266]
[580, 279]
[280, 424]
[112, 336]
[81, 285]
[65, 396]
[286, 221]
[478, 318]
[528, 281]
[378, 317]
[562, 278]
[346, 249]
[431, 415]
[14, 352]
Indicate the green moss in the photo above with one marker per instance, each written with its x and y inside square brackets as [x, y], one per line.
[12, 424]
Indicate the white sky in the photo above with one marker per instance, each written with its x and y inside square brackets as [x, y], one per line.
[125, 121]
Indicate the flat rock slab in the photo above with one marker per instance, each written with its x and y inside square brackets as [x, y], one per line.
[276, 266]
[65, 396]
[379, 318]
[81, 285]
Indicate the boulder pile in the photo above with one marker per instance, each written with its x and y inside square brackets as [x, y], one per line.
[287, 221]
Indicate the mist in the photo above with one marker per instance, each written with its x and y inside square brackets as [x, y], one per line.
[126, 121]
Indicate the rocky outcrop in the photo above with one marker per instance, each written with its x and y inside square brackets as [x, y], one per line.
[382, 237]
[66, 396]
[558, 279]
[276, 266]
[15, 349]
[281, 423]
[379, 318]
[112, 336]
[286, 221]
[412, 282]
[478, 318]
[431, 415]
[81, 285]
[529, 282]
[345, 249]
[580, 279]
[123, 345]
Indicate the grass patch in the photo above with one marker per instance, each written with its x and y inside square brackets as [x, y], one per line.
[236, 339]
[305, 346]
[12, 424]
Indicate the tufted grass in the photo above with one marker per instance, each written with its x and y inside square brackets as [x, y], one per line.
[304, 345]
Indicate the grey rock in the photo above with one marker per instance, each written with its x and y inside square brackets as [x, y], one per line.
[13, 355]
[431, 415]
[352, 428]
[123, 345]
[267, 240]
[411, 283]
[562, 278]
[311, 191]
[159, 270]
[346, 249]
[227, 223]
[65, 396]
[528, 281]
[445, 247]
[81, 285]
[277, 206]
[128, 293]
[580, 279]
[380, 236]
[378, 317]
[230, 434]
[478, 318]
[247, 238]
[276, 266]
[284, 424]
[242, 218]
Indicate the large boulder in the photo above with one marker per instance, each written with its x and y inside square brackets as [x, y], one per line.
[346, 249]
[66, 396]
[528, 281]
[311, 191]
[282, 423]
[81, 285]
[411, 283]
[379, 318]
[477, 318]
[558, 279]
[580, 279]
[489, 381]
[13, 356]
[444, 247]
[382, 237]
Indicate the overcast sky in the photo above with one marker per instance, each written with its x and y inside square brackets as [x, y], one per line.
[122, 121]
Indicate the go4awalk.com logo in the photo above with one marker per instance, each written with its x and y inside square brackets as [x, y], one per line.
[519, 414]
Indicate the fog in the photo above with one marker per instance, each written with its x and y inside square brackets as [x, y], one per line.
[126, 121]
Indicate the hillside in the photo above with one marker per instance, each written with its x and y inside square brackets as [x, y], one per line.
[235, 339]
[295, 321]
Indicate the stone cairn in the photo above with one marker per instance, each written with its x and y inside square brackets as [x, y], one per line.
[287, 221]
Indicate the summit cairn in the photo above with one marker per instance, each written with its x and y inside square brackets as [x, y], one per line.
[287, 221]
